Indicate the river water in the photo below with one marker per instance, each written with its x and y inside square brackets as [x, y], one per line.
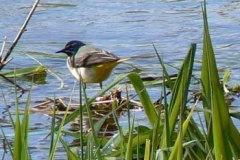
[123, 27]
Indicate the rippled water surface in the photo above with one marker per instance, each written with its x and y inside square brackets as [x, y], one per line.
[123, 27]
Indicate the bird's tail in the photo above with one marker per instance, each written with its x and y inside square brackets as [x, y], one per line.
[133, 57]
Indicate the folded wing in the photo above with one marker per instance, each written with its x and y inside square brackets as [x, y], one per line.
[88, 56]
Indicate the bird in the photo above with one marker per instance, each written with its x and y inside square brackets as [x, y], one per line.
[90, 64]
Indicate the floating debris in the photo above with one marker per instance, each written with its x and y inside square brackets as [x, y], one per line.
[101, 107]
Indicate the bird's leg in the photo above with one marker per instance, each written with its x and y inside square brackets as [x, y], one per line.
[100, 85]
[84, 86]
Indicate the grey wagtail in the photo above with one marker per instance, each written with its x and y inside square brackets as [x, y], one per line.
[90, 64]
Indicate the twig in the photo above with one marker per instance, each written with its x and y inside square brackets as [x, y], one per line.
[3, 46]
[22, 29]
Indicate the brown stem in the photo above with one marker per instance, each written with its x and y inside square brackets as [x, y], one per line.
[22, 29]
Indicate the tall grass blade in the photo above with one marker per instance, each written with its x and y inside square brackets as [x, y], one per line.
[144, 98]
[52, 134]
[121, 134]
[81, 85]
[223, 135]
[177, 148]
[129, 151]
[25, 127]
[21, 129]
[17, 146]
[93, 132]
[165, 73]
[147, 150]
[12, 122]
[70, 154]
[58, 135]
[179, 95]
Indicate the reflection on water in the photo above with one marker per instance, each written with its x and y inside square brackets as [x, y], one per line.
[123, 27]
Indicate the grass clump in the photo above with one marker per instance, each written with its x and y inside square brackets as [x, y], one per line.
[173, 132]
[179, 135]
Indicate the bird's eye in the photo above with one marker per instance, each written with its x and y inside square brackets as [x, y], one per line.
[70, 46]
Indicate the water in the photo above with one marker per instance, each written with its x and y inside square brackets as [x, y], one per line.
[124, 28]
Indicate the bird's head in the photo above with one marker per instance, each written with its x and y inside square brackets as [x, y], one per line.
[71, 48]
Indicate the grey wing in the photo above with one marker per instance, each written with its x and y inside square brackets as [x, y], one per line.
[92, 56]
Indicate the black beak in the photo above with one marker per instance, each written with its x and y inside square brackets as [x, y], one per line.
[61, 51]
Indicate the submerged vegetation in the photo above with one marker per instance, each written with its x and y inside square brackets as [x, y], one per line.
[173, 132]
